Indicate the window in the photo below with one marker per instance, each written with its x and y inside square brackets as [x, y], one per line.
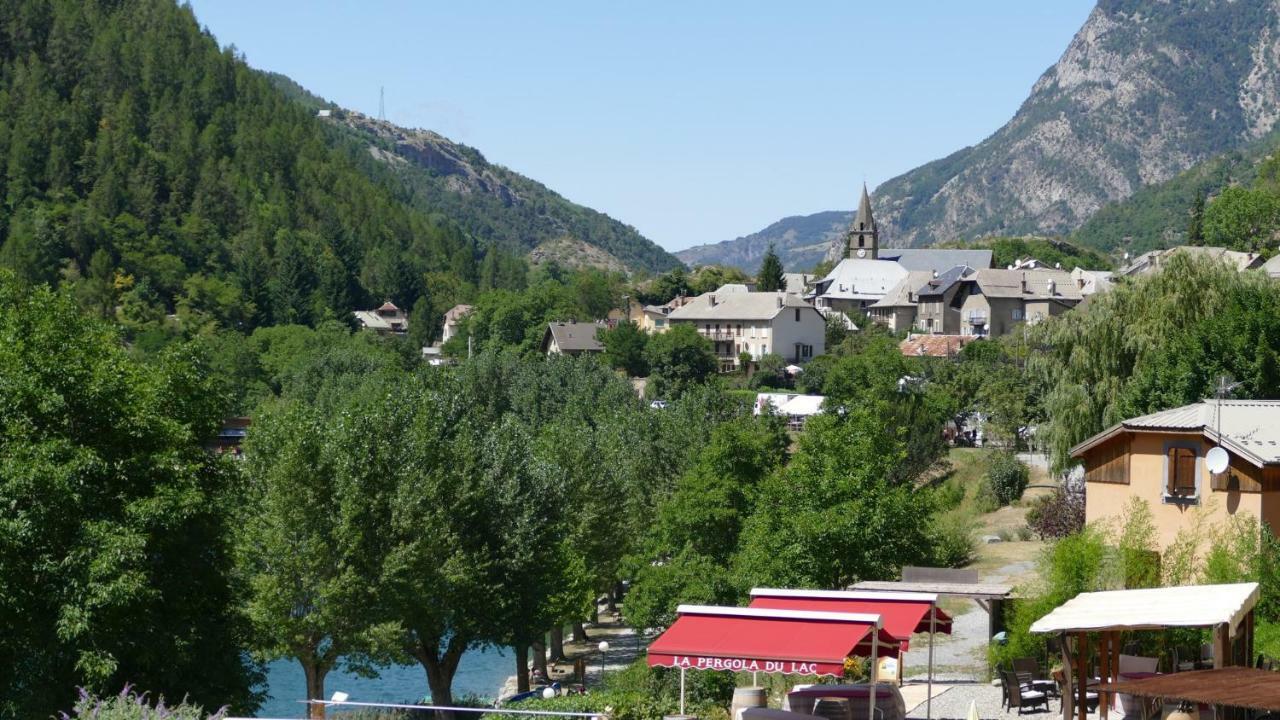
[707, 327]
[659, 322]
[739, 329]
[1180, 468]
[797, 314]
[1017, 313]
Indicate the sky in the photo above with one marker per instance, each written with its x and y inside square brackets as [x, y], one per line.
[694, 121]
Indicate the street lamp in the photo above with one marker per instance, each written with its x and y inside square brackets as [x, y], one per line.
[604, 648]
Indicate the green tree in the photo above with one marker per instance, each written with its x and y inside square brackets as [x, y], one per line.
[678, 359]
[308, 569]
[1195, 224]
[835, 514]
[108, 496]
[1242, 219]
[769, 278]
[624, 348]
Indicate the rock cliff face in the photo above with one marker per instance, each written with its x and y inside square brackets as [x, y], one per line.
[1145, 90]
[501, 206]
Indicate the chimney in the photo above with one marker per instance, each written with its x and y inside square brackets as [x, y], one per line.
[779, 299]
[712, 300]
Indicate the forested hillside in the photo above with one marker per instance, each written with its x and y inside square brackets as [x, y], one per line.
[156, 173]
[1161, 215]
[491, 202]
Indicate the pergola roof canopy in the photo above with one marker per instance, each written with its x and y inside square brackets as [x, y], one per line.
[1152, 609]
[793, 642]
[901, 613]
[1230, 686]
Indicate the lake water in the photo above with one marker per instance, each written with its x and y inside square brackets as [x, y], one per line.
[480, 672]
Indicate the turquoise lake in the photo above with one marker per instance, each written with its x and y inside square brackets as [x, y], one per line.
[481, 672]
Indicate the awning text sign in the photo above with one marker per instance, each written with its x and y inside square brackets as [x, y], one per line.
[708, 662]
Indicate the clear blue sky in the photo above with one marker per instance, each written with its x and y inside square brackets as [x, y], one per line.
[693, 121]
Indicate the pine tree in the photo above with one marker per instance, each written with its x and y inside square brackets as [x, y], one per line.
[1195, 227]
[770, 279]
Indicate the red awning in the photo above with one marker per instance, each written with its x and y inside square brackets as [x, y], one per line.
[790, 642]
[901, 614]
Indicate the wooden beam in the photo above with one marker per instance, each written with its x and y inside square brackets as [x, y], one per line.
[1082, 675]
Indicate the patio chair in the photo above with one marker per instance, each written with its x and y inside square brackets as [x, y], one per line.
[1020, 694]
[1090, 697]
[1038, 680]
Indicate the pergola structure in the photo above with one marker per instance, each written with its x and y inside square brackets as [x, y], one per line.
[1226, 609]
[901, 613]
[1236, 687]
[947, 582]
[779, 641]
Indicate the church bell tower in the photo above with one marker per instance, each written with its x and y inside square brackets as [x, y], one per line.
[863, 239]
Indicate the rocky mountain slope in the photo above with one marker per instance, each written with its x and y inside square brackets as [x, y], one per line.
[1144, 91]
[497, 204]
[800, 241]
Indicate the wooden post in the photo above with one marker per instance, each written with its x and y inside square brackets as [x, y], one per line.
[1104, 671]
[1082, 675]
[1222, 646]
[1248, 640]
[1068, 697]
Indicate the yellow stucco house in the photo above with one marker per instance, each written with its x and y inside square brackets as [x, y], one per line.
[1161, 459]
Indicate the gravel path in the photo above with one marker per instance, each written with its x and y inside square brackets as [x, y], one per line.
[954, 705]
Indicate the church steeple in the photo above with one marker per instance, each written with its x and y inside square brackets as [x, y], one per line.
[863, 240]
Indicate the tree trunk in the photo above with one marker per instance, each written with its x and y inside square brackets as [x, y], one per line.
[557, 644]
[611, 600]
[440, 668]
[522, 668]
[315, 686]
[539, 650]
[579, 632]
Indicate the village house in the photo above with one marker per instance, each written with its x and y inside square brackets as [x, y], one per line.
[897, 309]
[571, 338]
[759, 324]
[453, 321]
[1154, 260]
[1161, 458]
[385, 320]
[990, 303]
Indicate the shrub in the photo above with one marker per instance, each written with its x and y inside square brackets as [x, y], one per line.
[131, 705]
[983, 499]
[1057, 515]
[1008, 476]
[955, 539]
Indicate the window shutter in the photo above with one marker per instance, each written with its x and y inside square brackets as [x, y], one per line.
[1171, 481]
[1187, 471]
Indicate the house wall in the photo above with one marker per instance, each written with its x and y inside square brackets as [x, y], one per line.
[1114, 473]
[810, 329]
[938, 308]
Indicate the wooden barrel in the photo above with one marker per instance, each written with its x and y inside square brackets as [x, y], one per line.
[745, 697]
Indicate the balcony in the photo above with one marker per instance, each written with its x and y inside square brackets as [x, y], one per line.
[720, 335]
[976, 317]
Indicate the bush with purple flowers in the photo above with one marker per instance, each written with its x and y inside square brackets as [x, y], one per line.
[132, 705]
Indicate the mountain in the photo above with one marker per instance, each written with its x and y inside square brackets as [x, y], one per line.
[1144, 91]
[801, 242]
[495, 204]
[1157, 216]
[152, 173]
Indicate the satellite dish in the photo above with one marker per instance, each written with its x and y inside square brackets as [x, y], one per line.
[1216, 460]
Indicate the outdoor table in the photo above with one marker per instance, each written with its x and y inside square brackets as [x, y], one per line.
[1145, 707]
[889, 702]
